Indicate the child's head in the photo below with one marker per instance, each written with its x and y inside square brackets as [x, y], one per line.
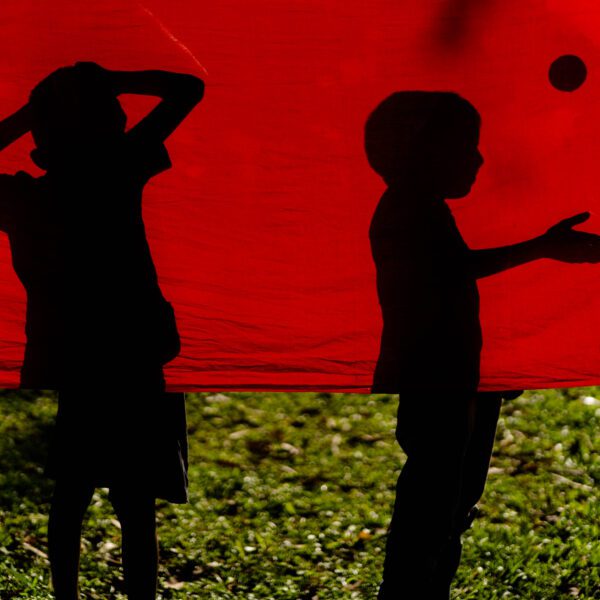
[426, 140]
[75, 114]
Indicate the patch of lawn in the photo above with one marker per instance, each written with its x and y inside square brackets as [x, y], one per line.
[291, 495]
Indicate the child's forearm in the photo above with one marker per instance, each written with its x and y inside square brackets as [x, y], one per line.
[561, 242]
[179, 94]
[15, 126]
[158, 83]
[495, 260]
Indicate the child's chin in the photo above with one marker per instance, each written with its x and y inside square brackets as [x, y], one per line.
[460, 191]
[457, 194]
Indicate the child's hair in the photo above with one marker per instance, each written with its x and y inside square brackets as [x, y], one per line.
[70, 106]
[402, 128]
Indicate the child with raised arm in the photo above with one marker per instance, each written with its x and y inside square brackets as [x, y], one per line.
[98, 327]
[425, 147]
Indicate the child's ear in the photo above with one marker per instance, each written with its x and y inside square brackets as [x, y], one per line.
[39, 158]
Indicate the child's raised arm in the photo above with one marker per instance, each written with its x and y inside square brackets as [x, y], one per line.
[14, 126]
[561, 242]
[179, 93]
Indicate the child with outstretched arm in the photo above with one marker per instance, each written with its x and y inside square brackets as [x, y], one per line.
[425, 147]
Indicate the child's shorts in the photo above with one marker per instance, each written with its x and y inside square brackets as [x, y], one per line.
[122, 437]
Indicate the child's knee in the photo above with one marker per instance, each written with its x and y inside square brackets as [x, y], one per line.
[132, 505]
[72, 496]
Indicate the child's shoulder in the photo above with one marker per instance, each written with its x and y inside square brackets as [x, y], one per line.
[16, 182]
[145, 157]
[18, 176]
[16, 193]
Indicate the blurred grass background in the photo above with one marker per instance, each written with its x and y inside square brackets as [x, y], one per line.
[291, 495]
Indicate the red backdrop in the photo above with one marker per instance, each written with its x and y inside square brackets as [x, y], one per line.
[259, 231]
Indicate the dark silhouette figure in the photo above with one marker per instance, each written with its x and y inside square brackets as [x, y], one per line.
[425, 147]
[98, 327]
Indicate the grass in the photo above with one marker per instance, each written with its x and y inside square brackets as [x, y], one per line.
[291, 495]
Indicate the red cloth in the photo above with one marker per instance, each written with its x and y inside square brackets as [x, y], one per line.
[260, 230]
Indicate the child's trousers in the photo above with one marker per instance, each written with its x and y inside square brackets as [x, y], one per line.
[448, 440]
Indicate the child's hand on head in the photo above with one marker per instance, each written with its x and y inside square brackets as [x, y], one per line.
[92, 71]
[89, 66]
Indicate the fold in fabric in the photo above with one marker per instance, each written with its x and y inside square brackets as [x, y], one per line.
[260, 230]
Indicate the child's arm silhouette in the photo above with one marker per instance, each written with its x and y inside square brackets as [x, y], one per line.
[179, 94]
[14, 126]
[561, 242]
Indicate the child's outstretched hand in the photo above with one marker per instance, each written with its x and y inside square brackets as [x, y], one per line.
[562, 242]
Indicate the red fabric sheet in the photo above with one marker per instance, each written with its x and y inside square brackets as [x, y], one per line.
[260, 230]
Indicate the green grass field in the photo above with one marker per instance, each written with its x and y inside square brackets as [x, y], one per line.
[291, 495]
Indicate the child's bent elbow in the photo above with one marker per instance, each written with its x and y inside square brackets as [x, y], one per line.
[194, 88]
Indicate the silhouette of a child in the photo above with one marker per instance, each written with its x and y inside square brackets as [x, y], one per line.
[425, 147]
[98, 327]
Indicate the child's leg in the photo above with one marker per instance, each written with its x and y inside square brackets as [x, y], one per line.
[475, 470]
[434, 433]
[69, 503]
[479, 452]
[137, 515]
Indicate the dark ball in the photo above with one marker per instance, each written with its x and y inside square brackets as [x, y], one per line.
[567, 73]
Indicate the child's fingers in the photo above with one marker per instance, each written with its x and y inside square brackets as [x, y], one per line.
[574, 220]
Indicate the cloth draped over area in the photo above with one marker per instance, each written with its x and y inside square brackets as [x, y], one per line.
[260, 229]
